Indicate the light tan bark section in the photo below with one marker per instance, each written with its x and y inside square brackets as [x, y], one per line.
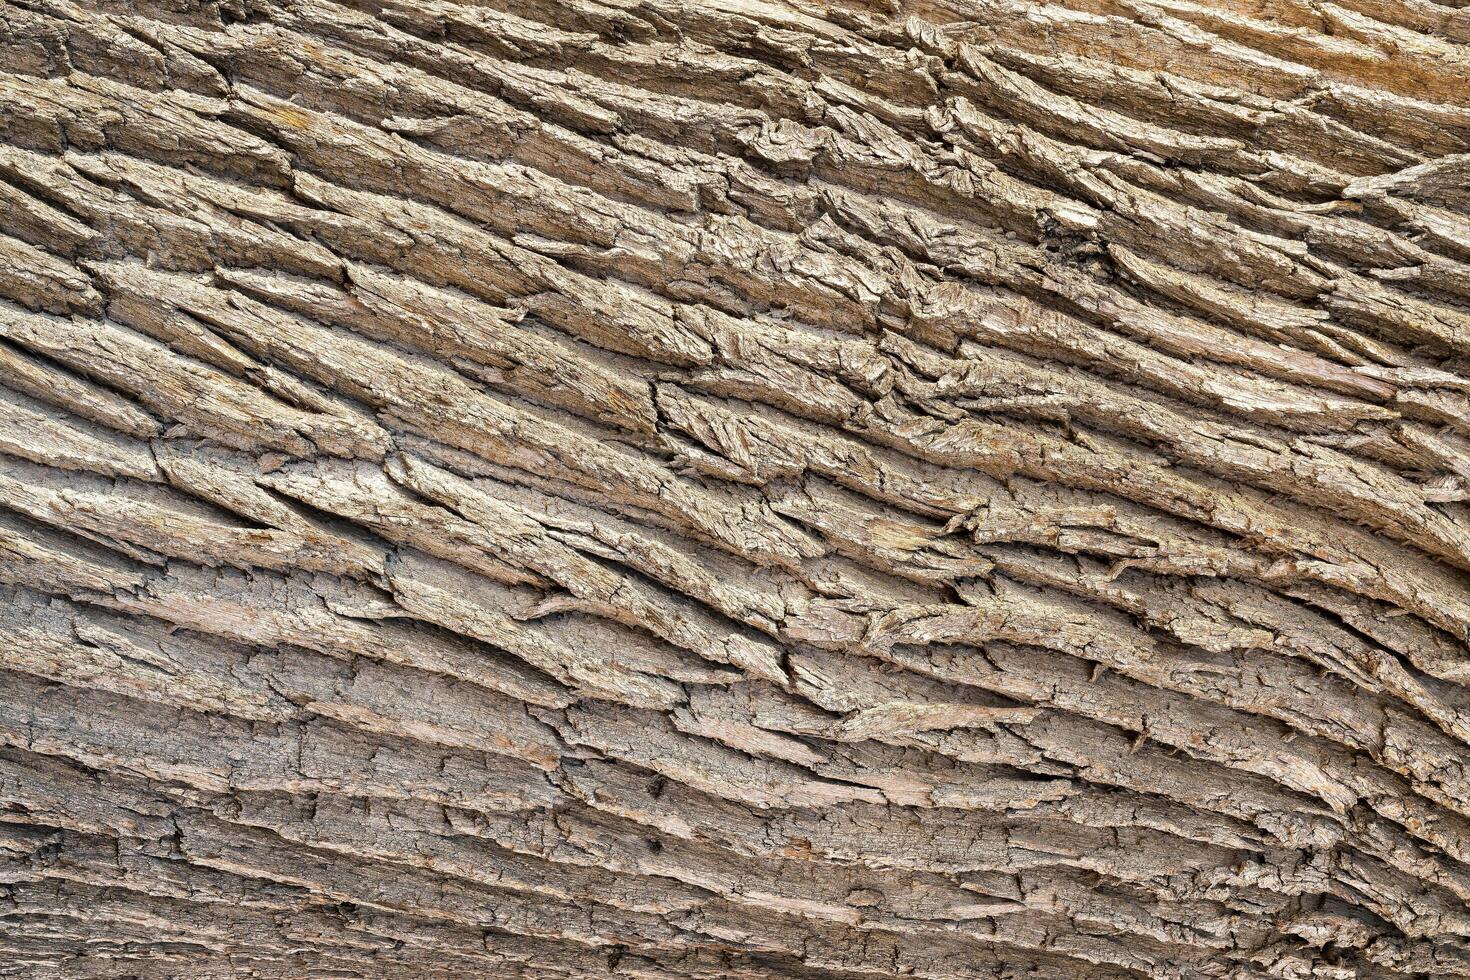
[673, 489]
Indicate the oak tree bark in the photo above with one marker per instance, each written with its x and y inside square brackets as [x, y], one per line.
[735, 488]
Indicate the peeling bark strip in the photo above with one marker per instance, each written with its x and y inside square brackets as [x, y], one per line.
[750, 488]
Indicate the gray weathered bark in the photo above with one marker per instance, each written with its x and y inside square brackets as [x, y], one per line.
[735, 488]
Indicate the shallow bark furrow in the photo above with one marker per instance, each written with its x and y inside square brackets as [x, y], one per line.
[677, 490]
[793, 892]
[193, 607]
[239, 850]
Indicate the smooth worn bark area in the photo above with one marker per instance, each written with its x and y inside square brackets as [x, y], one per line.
[735, 488]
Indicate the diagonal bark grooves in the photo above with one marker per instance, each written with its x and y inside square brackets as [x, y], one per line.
[569, 488]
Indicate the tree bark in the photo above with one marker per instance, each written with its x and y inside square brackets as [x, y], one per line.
[735, 488]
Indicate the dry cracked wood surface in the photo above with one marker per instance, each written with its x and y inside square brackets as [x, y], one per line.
[735, 488]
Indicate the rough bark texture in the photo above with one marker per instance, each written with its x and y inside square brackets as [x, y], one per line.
[728, 488]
